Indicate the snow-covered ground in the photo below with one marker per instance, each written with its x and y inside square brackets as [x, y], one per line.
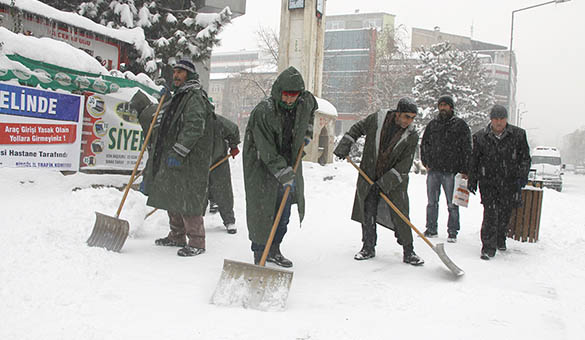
[53, 286]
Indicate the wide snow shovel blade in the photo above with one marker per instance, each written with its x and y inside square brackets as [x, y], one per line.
[255, 286]
[108, 232]
[252, 286]
[439, 249]
[111, 232]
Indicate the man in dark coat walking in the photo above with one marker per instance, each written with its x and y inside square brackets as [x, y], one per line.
[391, 142]
[225, 135]
[500, 162]
[445, 149]
[278, 126]
[179, 155]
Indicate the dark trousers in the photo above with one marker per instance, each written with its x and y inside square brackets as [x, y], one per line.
[221, 194]
[282, 227]
[402, 231]
[494, 227]
[190, 226]
[226, 211]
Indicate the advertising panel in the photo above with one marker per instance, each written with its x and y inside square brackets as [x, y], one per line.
[39, 128]
[112, 137]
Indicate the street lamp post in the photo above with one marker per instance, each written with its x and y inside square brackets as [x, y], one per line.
[510, 58]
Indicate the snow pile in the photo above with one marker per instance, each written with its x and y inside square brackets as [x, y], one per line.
[325, 107]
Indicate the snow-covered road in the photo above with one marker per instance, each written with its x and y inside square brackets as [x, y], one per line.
[52, 286]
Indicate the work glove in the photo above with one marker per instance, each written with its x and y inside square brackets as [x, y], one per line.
[291, 183]
[472, 187]
[174, 160]
[234, 151]
[342, 149]
[307, 140]
[165, 91]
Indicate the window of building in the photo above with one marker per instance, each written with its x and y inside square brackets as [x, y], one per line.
[335, 25]
[372, 23]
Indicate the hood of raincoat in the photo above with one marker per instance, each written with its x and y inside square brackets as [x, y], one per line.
[288, 80]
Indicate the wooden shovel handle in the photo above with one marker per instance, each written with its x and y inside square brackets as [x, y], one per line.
[396, 210]
[162, 99]
[279, 213]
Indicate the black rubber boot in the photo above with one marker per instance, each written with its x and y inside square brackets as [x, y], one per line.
[410, 256]
[367, 252]
[169, 242]
[276, 257]
[190, 251]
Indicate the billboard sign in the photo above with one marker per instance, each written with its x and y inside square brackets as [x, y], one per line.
[39, 128]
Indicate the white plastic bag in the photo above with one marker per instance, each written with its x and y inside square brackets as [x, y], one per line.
[460, 192]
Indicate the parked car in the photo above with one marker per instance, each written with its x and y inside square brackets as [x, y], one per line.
[547, 167]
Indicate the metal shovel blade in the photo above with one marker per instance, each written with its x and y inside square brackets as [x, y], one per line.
[108, 232]
[251, 286]
[440, 250]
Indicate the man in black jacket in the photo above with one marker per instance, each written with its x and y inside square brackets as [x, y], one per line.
[445, 151]
[500, 162]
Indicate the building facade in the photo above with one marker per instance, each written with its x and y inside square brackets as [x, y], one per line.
[349, 61]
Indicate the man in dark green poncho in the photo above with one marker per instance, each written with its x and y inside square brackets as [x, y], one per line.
[179, 155]
[278, 126]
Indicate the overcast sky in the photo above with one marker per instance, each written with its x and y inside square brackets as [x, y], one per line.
[549, 42]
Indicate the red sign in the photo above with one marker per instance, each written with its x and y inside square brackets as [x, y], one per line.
[15, 133]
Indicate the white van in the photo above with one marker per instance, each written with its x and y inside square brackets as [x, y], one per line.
[547, 167]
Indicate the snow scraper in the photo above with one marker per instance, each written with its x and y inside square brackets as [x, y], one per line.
[255, 286]
[111, 232]
[218, 163]
[439, 248]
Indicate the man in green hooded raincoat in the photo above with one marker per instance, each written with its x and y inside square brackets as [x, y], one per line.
[179, 155]
[391, 141]
[278, 126]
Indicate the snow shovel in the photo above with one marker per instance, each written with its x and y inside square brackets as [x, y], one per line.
[255, 286]
[111, 232]
[439, 248]
[218, 163]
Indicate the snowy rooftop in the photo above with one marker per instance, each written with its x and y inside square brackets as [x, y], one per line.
[57, 53]
[54, 52]
[131, 36]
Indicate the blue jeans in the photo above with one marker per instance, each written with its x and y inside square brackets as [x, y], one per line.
[436, 179]
[282, 227]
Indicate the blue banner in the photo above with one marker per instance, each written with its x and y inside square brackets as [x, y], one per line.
[29, 102]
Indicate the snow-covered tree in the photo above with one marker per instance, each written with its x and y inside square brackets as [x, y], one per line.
[445, 70]
[173, 28]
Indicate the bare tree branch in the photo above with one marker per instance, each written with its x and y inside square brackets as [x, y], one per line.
[268, 42]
